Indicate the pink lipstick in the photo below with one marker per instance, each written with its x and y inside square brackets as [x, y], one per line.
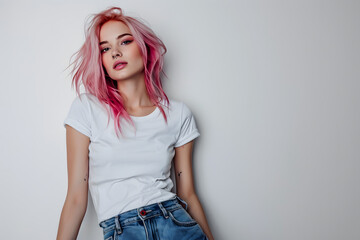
[119, 65]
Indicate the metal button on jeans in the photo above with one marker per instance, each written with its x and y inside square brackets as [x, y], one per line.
[177, 226]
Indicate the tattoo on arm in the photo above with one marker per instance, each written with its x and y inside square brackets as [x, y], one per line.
[85, 178]
[179, 174]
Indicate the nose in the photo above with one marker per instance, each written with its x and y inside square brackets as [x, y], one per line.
[115, 53]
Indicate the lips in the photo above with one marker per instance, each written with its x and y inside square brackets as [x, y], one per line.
[119, 64]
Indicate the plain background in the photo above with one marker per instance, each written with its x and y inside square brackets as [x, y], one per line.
[274, 88]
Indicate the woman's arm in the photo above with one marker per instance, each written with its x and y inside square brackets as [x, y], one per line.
[185, 185]
[77, 194]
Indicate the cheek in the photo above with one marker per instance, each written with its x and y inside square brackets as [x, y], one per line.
[135, 52]
[106, 62]
[138, 57]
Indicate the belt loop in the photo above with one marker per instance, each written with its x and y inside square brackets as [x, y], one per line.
[163, 210]
[185, 203]
[117, 225]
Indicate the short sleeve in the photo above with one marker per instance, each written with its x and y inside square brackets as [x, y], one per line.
[78, 116]
[188, 130]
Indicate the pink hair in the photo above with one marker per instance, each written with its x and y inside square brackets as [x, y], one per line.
[89, 68]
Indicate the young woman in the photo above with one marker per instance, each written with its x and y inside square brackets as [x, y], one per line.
[122, 135]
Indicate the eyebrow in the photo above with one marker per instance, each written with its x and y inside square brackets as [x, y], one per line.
[118, 37]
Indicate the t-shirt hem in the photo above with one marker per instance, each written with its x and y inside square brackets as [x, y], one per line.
[78, 126]
[149, 203]
[192, 136]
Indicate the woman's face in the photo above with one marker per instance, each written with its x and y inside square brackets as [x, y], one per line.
[117, 45]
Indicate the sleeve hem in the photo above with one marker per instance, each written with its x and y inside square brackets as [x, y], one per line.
[192, 136]
[77, 126]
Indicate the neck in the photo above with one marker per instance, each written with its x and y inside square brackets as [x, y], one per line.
[134, 92]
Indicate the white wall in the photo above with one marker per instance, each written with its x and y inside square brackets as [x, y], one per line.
[274, 87]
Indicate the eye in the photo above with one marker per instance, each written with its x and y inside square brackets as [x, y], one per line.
[103, 50]
[126, 42]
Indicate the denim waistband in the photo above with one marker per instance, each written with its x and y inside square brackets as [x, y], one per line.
[142, 213]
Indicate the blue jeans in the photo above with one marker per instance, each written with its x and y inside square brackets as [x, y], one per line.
[164, 220]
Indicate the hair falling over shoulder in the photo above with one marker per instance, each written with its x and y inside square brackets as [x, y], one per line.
[88, 68]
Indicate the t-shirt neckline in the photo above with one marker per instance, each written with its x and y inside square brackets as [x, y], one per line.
[150, 115]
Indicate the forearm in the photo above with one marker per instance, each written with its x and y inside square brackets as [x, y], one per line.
[196, 211]
[71, 218]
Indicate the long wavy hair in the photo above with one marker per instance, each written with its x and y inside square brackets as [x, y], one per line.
[89, 69]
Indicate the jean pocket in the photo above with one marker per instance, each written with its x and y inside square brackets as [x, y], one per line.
[182, 218]
[182, 202]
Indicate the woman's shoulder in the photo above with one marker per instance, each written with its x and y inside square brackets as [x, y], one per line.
[89, 98]
[175, 104]
[179, 106]
[89, 102]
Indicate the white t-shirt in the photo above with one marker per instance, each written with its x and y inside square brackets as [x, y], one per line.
[133, 170]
